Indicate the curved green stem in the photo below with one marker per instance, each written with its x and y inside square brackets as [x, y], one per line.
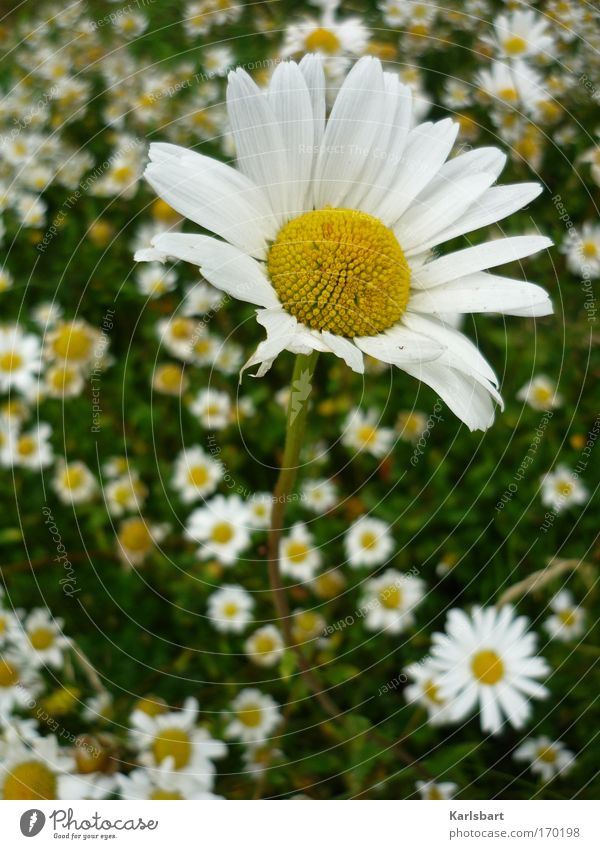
[300, 390]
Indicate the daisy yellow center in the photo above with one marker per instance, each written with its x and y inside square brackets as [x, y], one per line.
[61, 379]
[589, 249]
[165, 794]
[514, 45]
[181, 328]
[367, 434]
[564, 488]
[297, 551]
[434, 794]
[567, 617]
[368, 540]
[10, 361]
[250, 715]
[198, 475]
[306, 620]
[30, 780]
[547, 754]
[340, 270]
[2, 624]
[9, 674]
[73, 478]
[135, 536]
[542, 394]
[390, 597]
[41, 638]
[323, 40]
[170, 377]
[26, 446]
[174, 743]
[487, 667]
[151, 706]
[431, 692]
[230, 609]
[72, 343]
[264, 644]
[509, 94]
[222, 533]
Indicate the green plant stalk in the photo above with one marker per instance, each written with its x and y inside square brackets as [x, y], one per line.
[300, 387]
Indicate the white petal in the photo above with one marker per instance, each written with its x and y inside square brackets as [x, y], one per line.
[481, 292]
[491, 717]
[290, 101]
[224, 266]
[428, 215]
[494, 205]
[213, 195]
[465, 396]
[427, 146]
[477, 258]
[350, 134]
[345, 349]
[459, 349]
[392, 149]
[381, 163]
[490, 160]
[260, 149]
[311, 67]
[399, 345]
[284, 333]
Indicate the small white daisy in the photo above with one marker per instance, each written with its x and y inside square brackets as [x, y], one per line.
[389, 601]
[487, 661]
[174, 739]
[319, 496]
[196, 474]
[425, 691]
[547, 758]
[153, 280]
[298, 557]
[19, 360]
[212, 408]
[230, 608]
[568, 618]
[363, 434]
[74, 483]
[521, 34]
[562, 488]
[260, 507]
[435, 790]
[221, 528]
[255, 716]
[368, 542]
[540, 393]
[265, 646]
[583, 251]
[45, 642]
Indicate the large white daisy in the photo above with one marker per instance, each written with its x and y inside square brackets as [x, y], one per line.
[328, 224]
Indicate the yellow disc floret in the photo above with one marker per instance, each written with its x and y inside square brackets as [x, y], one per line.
[340, 270]
[487, 667]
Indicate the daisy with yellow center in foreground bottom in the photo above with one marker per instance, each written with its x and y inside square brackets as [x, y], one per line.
[328, 224]
[36, 769]
[172, 740]
[487, 661]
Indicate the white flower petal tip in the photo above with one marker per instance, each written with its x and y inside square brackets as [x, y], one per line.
[149, 255]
